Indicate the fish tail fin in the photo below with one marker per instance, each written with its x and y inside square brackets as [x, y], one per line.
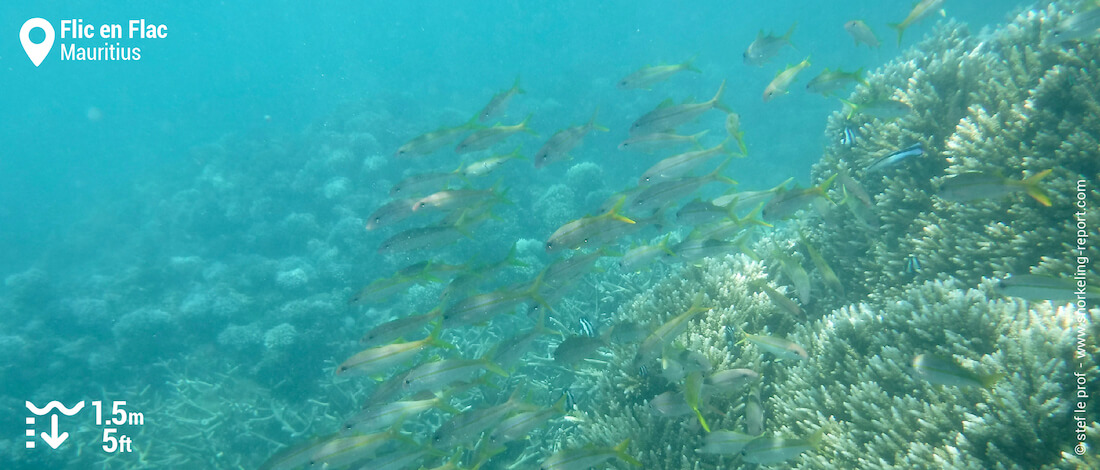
[788, 34]
[492, 366]
[620, 452]
[515, 86]
[717, 100]
[697, 304]
[540, 326]
[613, 213]
[1031, 185]
[664, 245]
[847, 196]
[689, 64]
[852, 108]
[725, 179]
[824, 187]
[717, 173]
[988, 381]
[472, 123]
[592, 122]
[900, 29]
[782, 186]
[753, 217]
[698, 135]
[532, 292]
[559, 406]
[523, 125]
[790, 31]
[815, 439]
[443, 406]
[702, 421]
[517, 154]
[858, 74]
[740, 138]
[511, 259]
[501, 196]
[433, 337]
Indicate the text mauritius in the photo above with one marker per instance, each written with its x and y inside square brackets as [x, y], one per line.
[135, 29]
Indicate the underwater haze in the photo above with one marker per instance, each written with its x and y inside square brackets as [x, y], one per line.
[564, 235]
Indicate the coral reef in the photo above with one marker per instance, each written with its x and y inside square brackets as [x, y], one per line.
[1001, 102]
[260, 255]
[877, 414]
[857, 383]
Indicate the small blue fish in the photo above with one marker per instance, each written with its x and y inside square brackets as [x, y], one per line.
[848, 138]
[587, 328]
[912, 265]
[731, 334]
[570, 400]
[914, 150]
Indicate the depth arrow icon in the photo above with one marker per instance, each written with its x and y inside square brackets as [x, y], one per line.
[53, 439]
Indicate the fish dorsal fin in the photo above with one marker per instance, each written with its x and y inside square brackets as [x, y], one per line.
[666, 103]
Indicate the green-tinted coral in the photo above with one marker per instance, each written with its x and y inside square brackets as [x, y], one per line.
[1000, 102]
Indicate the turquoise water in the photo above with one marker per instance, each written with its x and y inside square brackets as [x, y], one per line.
[183, 232]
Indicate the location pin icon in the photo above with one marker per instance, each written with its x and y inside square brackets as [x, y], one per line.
[36, 52]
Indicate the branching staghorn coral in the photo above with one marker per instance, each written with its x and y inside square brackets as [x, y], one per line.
[881, 416]
[618, 406]
[857, 384]
[1002, 102]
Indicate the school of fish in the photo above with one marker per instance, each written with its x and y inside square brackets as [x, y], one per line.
[412, 358]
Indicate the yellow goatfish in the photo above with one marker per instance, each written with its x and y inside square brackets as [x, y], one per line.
[425, 144]
[557, 148]
[783, 80]
[585, 230]
[778, 346]
[653, 344]
[499, 102]
[921, 10]
[379, 359]
[482, 139]
[861, 33]
[648, 76]
[975, 185]
[588, 457]
[668, 116]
